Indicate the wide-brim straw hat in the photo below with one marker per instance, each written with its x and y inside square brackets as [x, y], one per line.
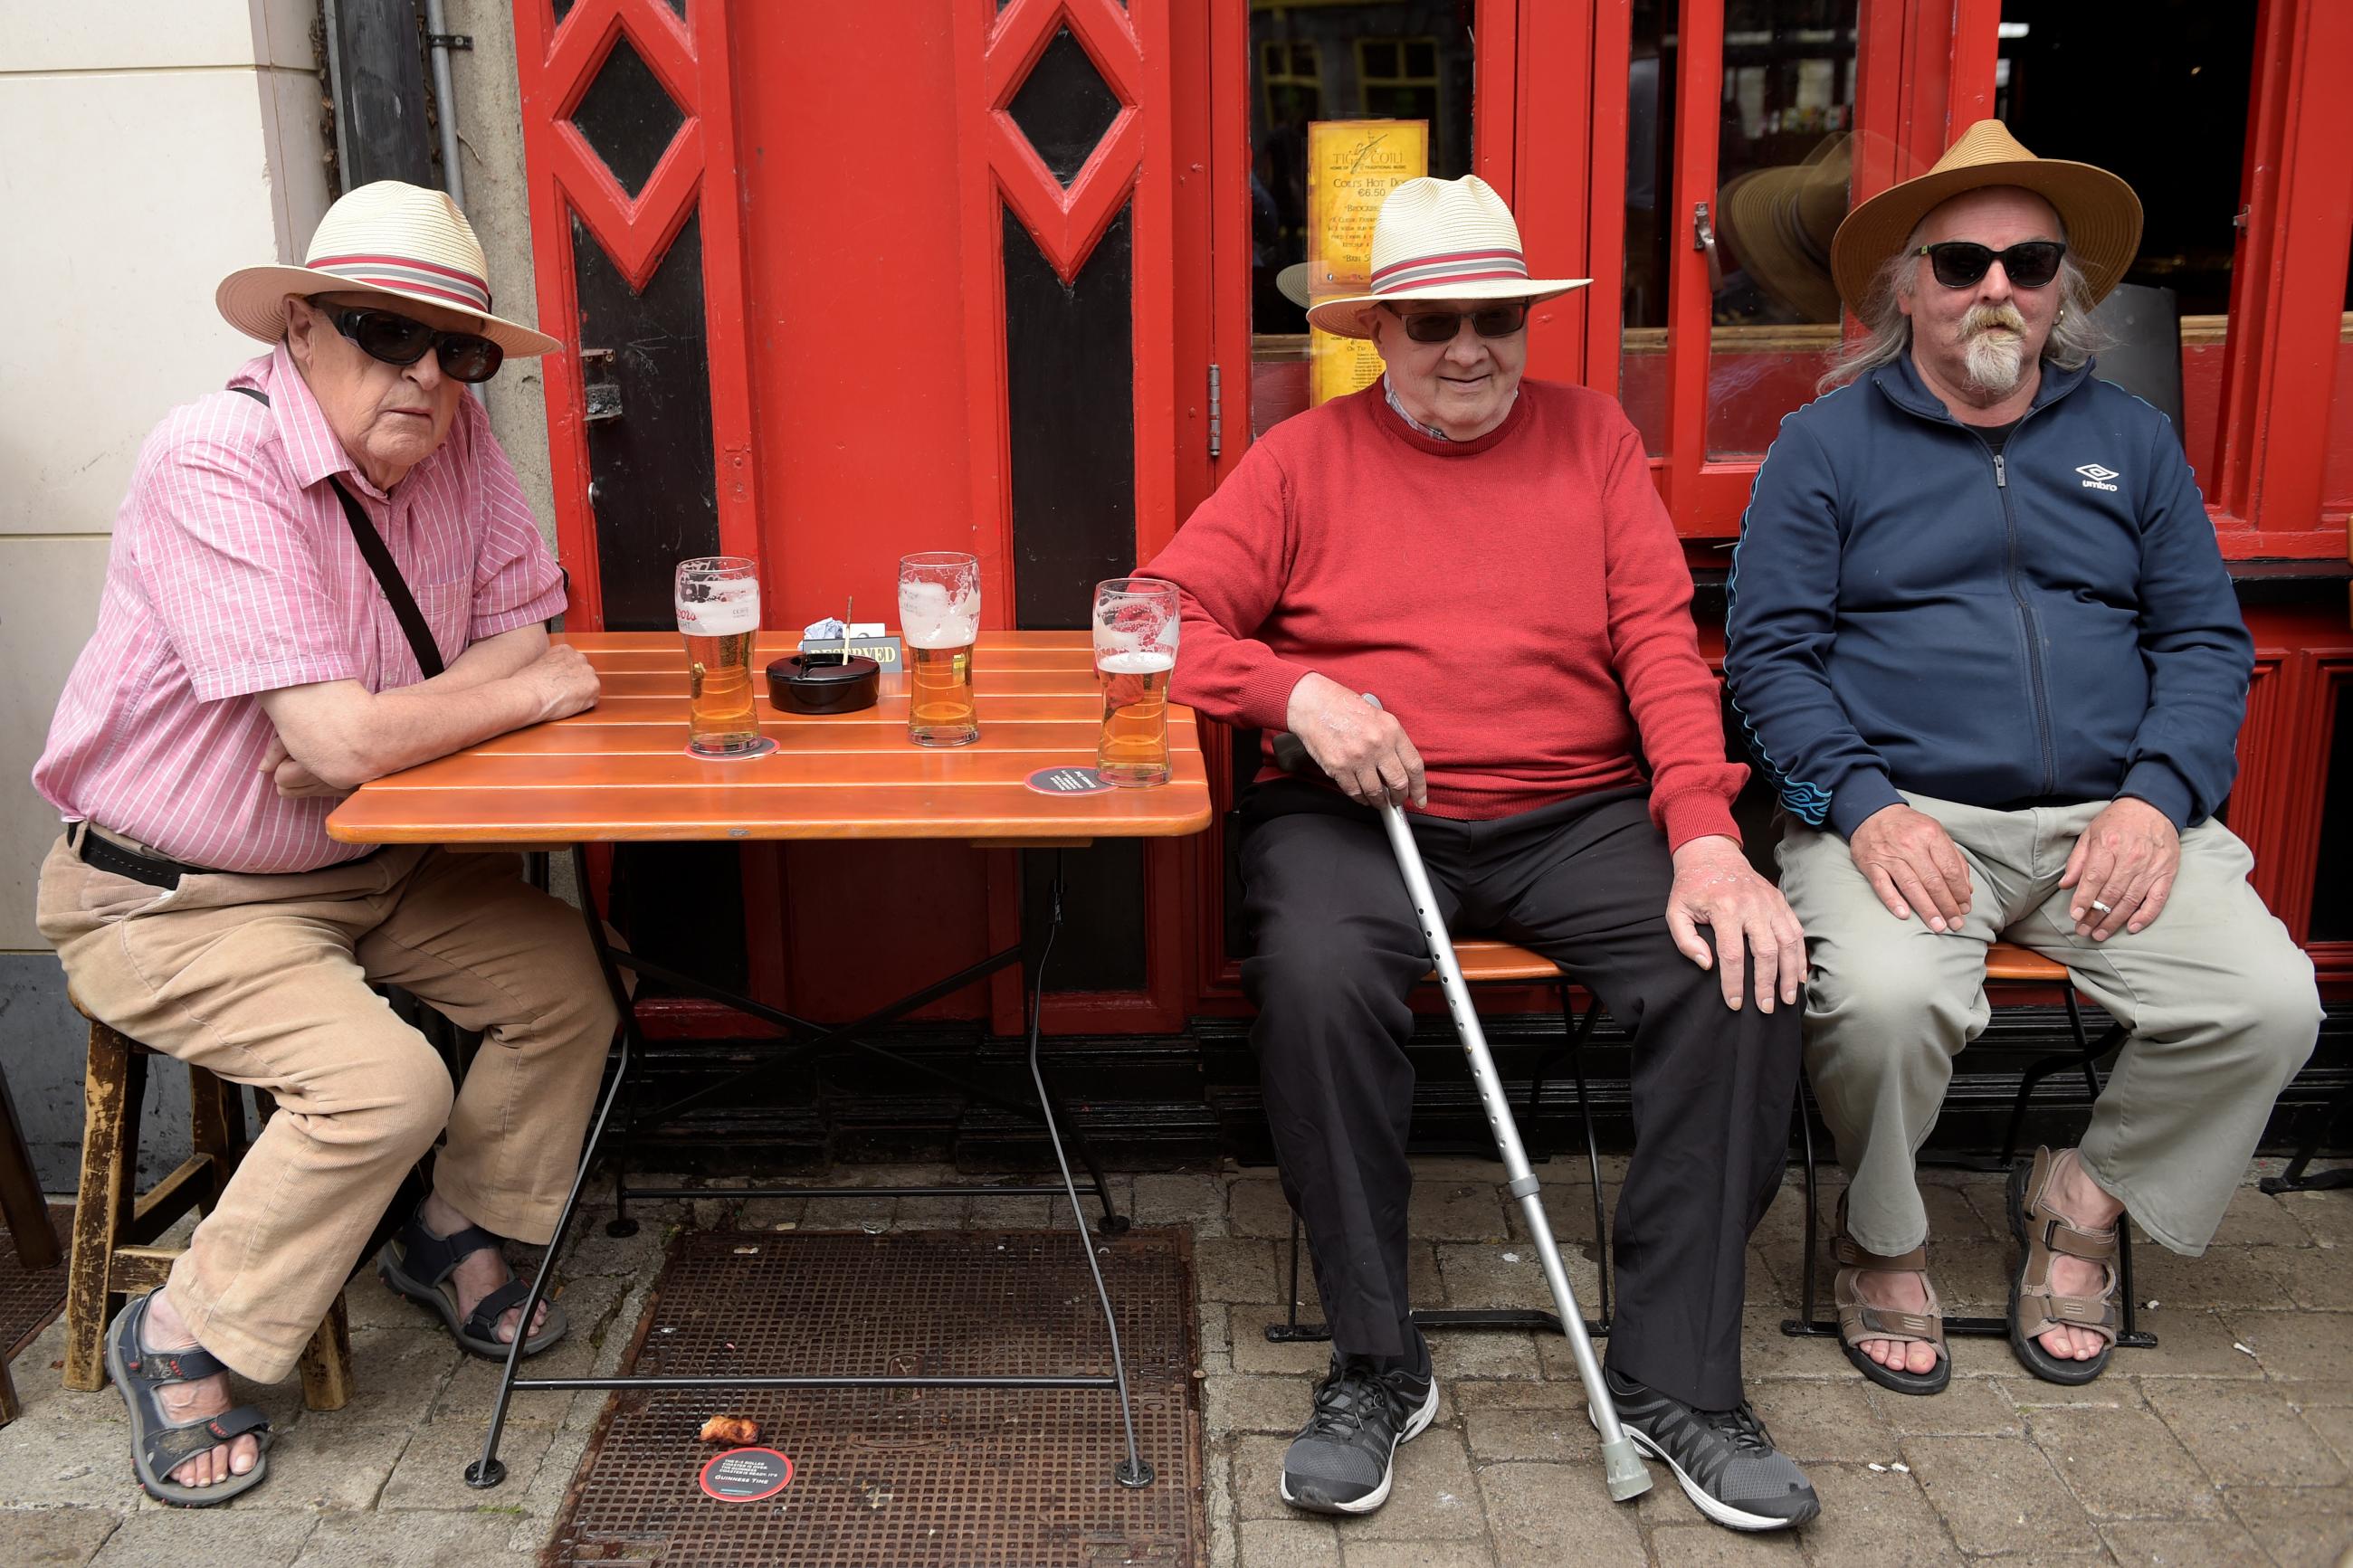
[1439, 240]
[1779, 223]
[388, 237]
[2102, 214]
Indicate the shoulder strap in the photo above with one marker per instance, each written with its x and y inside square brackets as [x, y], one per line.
[380, 562]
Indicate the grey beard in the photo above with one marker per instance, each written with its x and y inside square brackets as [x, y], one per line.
[1996, 360]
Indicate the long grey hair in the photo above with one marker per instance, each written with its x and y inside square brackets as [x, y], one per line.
[1887, 330]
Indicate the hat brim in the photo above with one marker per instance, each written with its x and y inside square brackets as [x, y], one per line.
[1749, 210]
[253, 301]
[2101, 212]
[1351, 315]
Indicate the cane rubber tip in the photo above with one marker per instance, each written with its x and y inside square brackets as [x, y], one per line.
[1628, 1477]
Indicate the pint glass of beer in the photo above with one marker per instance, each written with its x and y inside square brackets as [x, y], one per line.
[939, 614]
[1135, 650]
[718, 614]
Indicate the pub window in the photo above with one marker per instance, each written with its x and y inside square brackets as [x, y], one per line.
[1409, 59]
[1782, 113]
[2157, 91]
[2336, 479]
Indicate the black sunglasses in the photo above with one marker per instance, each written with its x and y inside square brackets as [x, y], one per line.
[2030, 264]
[397, 339]
[1439, 326]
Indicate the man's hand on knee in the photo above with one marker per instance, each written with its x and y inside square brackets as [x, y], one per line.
[2122, 869]
[1913, 865]
[1361, 747]
[1754, 925]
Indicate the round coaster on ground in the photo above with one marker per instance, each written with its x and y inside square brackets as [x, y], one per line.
[746, 1474]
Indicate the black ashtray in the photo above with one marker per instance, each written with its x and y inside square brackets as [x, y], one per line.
[822, 683]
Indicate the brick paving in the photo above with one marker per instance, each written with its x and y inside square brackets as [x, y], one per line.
[2232, 1443]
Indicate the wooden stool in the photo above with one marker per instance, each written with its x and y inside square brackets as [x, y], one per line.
[116, 1225]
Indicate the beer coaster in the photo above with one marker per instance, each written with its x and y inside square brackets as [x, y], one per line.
[746, 1474]
[1068, 781]
[762, 750]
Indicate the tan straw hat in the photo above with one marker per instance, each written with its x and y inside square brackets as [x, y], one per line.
[2102, 214]
[386, 238]
[1441, 239]
[1779, 222]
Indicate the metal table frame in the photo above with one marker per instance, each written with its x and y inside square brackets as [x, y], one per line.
[805, 1037]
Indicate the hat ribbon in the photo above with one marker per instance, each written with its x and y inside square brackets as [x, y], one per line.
[463, 289]
[1452, 266]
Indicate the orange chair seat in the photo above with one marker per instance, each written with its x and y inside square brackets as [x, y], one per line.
[2008, 961]
[1482, 960]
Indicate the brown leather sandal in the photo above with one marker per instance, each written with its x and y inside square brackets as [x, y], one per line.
[1860, 1320]
[2034, 1310]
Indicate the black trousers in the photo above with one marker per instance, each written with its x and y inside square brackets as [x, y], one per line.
[1584, 883]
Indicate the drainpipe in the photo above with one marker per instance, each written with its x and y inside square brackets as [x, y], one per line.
[438, 37]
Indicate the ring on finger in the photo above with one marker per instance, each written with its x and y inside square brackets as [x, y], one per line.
[2104, 909]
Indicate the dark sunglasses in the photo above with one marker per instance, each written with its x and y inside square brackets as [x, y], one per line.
[402, 340]
[2030, 264]
[1487, 321]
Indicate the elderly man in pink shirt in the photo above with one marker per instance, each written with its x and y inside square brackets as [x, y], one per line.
[321, 574]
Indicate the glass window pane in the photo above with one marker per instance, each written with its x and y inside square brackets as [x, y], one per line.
[1650, 181]
[1402, 60]
[2337, 479]
[1783, 164]
[2332, 882]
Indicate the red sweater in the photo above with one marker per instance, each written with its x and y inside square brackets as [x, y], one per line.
[1519, 601]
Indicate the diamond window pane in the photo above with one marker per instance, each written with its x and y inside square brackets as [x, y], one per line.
[627, 118]
[1064, 106]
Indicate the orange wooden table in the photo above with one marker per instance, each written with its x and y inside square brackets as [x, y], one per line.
[620, 773]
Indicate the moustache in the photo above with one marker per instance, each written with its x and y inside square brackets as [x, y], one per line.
[1985, 319]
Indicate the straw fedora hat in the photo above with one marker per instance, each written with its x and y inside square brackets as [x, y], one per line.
[1441, 239]
[386, 238]
[1779, 222]
[2102, 214]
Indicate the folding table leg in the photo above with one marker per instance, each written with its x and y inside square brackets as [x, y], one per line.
[1131, 1471]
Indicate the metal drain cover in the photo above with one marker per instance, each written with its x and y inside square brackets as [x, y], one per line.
[903, 1477]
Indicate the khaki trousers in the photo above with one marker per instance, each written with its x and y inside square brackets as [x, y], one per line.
[2219, 1002]
[264, 980]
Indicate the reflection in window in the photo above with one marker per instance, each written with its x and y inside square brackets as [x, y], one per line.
[1381, 59]
[1783, 119]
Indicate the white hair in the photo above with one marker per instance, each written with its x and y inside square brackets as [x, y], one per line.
[1887, 330]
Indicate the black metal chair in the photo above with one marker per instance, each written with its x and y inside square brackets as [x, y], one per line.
[2006, 964]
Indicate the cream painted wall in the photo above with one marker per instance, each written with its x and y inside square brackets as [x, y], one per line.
[150, 147]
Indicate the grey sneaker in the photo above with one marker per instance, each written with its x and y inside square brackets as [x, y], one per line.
[1339, 1463]
[1724, 1458]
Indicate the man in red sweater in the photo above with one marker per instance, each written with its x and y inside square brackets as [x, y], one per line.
[1490, 558]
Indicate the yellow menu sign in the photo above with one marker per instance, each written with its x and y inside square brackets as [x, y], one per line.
[1352, 165]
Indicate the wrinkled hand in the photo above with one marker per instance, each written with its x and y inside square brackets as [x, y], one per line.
[1913, 865]
[2127, 861]
[563, 680]
[1754, 925]
[294, 781]
[1360, 746]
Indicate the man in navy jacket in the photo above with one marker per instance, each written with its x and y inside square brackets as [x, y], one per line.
[1985, 647]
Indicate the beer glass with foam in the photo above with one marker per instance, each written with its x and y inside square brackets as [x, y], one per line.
[1136, 650]
[939, 616]
[718, 599]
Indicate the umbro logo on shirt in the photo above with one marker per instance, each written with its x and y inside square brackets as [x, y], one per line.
[2096, 476]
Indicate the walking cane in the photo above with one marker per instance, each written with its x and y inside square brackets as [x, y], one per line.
[1622, 1466]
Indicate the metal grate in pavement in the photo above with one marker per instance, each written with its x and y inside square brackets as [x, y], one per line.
[902, 1479]
[31, 1299]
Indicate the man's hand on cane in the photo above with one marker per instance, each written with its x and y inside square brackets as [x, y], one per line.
[1361, 747]
[1754, 925]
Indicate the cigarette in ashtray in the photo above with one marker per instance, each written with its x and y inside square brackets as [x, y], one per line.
[736, 1431]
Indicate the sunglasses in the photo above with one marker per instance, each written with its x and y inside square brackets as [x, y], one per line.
[402, 340]
[1487, 321]
[2030, 264]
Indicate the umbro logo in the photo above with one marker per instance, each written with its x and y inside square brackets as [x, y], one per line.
[2096, 476]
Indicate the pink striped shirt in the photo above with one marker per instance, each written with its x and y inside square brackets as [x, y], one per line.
[233, 571]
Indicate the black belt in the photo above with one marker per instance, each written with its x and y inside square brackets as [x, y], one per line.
[153, 870]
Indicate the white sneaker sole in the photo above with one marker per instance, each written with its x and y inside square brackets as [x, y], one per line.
[1415, 1425]
[1715, 1507]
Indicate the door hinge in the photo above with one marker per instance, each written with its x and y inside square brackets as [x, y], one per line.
[1217, 413]
[600, 392]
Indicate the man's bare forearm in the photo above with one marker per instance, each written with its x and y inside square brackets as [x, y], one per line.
[492, 658]
[345, 735]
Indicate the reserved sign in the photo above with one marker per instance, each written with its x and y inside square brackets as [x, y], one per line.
[883, 651]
